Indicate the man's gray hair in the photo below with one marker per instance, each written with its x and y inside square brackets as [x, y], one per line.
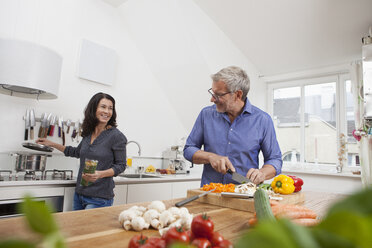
[235, 79]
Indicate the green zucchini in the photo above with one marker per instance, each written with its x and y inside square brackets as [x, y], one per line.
[262, 205]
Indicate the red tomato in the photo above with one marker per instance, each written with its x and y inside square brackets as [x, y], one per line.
[216, 238]
[155, 242]
[191, 235]
[201, 243]
[137, 241]
[175, 234]
[225, 244]
[202, 226]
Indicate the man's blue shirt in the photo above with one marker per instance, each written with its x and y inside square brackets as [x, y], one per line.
[241, 141]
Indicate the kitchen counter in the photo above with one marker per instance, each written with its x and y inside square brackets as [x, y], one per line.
[118, 180]
[100, 227]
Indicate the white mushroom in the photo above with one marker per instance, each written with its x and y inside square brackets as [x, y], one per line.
[175, 211]
[183, 210]
[186, 220]
[127, 215]
[155, 223]
[127, 225]
[137, 210]
[165, 218]
[157, 205]
[151, 214]
[163, 230]
[142, 209]
[177, 223]
[139, 223]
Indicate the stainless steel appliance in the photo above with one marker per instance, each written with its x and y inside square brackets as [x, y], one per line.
[173, 159]
[9, 208]
[8, 175]
[30, 162]
[13, 188]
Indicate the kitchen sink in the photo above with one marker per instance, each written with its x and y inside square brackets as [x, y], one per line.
[138, 176]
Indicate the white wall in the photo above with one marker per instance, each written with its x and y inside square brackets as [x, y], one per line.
[183, 47]
[167, 49]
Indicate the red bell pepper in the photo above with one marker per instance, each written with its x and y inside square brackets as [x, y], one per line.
[298, 182]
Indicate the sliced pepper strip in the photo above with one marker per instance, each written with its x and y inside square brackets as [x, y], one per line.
[219, 187]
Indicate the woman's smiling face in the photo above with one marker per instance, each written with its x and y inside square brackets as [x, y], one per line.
[104, 111]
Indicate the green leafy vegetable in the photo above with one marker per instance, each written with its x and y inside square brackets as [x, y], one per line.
[16, 244]
[38, 216]
[40, 220]
[281, 233]
[348, 224]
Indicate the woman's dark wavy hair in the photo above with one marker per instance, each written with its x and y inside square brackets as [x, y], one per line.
[90, 120]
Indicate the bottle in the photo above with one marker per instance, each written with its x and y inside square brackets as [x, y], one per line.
[129, 169]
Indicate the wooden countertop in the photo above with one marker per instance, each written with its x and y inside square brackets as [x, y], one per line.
[100, 227]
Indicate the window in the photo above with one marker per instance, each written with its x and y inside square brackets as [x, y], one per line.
[351, 142]
[310, 116]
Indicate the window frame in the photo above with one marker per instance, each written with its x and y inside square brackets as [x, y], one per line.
[340, 79]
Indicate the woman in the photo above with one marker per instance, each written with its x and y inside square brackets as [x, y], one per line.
[102, 142]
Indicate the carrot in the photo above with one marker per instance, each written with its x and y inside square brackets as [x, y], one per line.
[274, 203]
[300, 214]
[287, 208]
[306, 222]
[252, 221]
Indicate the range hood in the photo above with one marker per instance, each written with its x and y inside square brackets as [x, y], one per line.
[29, 70]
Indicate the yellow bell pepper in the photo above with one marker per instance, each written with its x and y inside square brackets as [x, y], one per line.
[283, 184]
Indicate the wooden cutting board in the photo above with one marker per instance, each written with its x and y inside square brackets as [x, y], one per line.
[239, 203]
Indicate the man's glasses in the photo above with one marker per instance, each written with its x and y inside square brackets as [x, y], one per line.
[217, 96]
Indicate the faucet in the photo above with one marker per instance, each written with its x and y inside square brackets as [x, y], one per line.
[139, 147]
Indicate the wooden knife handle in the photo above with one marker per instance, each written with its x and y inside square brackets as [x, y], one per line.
[40, 132]
[187, 200]
[63, 138]
[51, 130]
[31, 133]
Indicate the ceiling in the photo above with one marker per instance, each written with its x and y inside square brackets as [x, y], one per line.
[284, 36]
[289, 35]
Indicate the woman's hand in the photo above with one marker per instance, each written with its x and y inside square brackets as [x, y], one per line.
[45, 142]
[92, 177]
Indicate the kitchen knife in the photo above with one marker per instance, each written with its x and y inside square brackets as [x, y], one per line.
[41, 132]
[27, 123]
[59, 125]
[192, 198]
[46, 126]
[68, 124]
[51, 125]
[237, 177]
[61, 129]
[32, 123]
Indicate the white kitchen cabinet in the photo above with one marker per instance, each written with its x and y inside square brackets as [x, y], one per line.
[179, 189]
[120, 192]
[149, 192]
[68, 199]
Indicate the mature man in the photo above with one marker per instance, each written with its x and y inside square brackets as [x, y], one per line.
[233, 132]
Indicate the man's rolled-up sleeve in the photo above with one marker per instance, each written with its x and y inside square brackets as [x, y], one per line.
[195, 140]
[270, 147]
